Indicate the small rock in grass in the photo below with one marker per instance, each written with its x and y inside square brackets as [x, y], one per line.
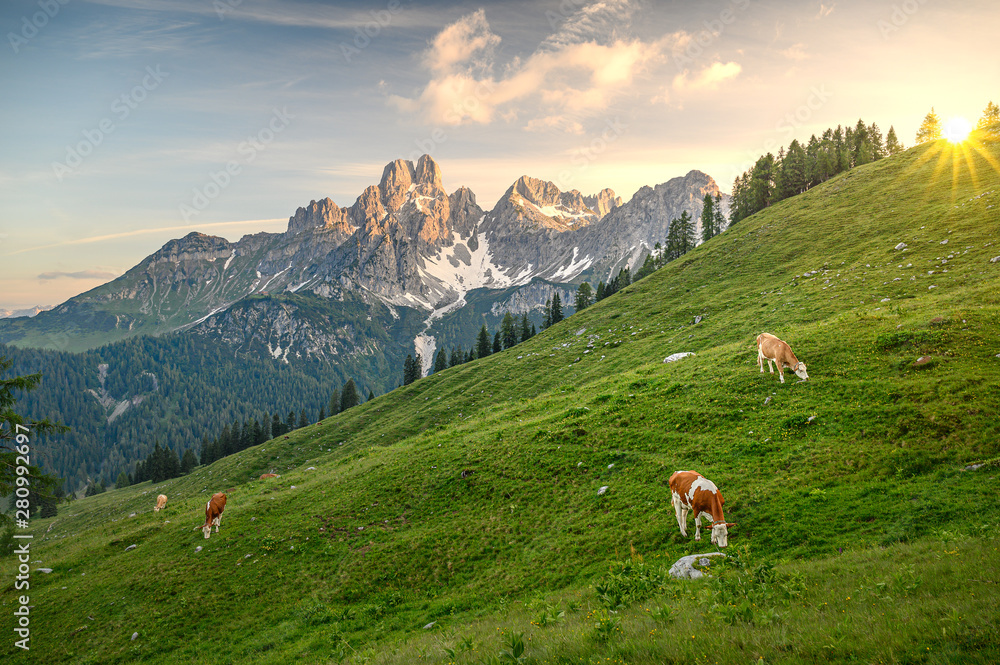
[130, 547]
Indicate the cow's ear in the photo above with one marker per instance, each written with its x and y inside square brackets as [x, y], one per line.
[728, 524]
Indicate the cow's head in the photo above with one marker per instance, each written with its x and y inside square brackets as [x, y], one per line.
[720, 533]
[207, 529]
[800, 371]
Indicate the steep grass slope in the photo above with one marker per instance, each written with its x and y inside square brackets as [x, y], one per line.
[470, 500]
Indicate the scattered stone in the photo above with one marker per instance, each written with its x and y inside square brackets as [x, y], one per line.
[135, 636]
[995, 259]
[430, 625]
[944, 242]
[767, 399]
[197, 549]
[312, 468]
[132, 515]
[292, 487]
[973, 467]
[810, 419]
[602, 490]
[922, 360]
[684, 567]
[580, 331]
[43, 570]
[130, 547]
[901, 245]
[673, 357]
[697, 320]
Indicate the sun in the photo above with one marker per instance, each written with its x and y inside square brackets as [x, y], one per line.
[957, 129]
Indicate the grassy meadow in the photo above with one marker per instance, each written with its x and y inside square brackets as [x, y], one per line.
[459, 519]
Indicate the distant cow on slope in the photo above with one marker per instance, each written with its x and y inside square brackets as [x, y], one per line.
[213, 513]
[770, 348]
[265, 476]
[161, 503]
[693, 492]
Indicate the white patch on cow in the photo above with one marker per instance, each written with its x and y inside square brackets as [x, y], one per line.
[701, 484]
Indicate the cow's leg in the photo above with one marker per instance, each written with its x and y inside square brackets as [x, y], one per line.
[770, 366]
[760, 360]
[680, 513]
[697, 526]
[781, 375]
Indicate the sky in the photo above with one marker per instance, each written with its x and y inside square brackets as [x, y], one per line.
[126, 123]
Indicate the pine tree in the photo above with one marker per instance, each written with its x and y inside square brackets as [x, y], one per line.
[602, 292]
[303, 418]
[257, 433]
[483, 346]
[122, 481]
[584, 296]
[441, 360]
[371, 395]
[892, 144]
[188, 462]
[707, 219]
[349, 396]
[526, 333]
[409, 371]
[991, 116]
[266, 427]
[507, 332]
[290, 422]
[456, 356]
[720, 223]
[930, 128]
[557, 313]
[497, 344]
[335, 402]
[277, 429]
[547, 321]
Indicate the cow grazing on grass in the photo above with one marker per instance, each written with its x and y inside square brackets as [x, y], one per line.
[265, 476]
[161, 503]
[693, 492]
[213, 513]
[772, 349]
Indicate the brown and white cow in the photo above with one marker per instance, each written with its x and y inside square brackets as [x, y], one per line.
[213, 513]
[772, 349]
[693, 492]
[161, 503]
[265, 476]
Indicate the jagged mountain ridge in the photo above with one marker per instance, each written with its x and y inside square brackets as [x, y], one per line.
[404, 243]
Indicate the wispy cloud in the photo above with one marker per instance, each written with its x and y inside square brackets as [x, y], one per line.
[82, 274]
[573, 74]
[708, 78]
[139, 232]
[795, 52]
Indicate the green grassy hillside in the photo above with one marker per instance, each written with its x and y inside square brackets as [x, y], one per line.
[861, 534]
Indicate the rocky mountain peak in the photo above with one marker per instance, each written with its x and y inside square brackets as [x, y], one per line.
[397, 177]
[318, 214]
[428, 172]
[540, 192]
[603, 202]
